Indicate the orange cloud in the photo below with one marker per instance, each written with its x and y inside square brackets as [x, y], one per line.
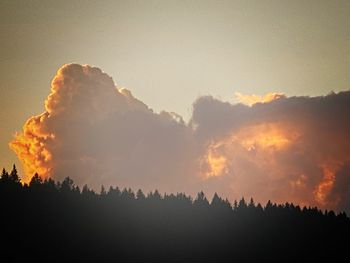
[291, 150]
[100, 134]
[31, 148]
[252, 99]
[214, 162]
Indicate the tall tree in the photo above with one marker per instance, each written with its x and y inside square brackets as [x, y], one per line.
[4, 175]
[14, 175]
[201, 200]
[140, 195]
[67, 184]
[35, 181]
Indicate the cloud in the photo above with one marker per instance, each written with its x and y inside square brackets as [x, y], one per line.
[253, 99]
[294, 149]
[290, 149]
[99, 134]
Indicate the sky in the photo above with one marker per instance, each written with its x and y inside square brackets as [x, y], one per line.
[170, 53]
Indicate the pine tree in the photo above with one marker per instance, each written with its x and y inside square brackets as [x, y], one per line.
[114, 192]
[242, 204]
[36, 180]
[4, 175]
[14, 175]
[140, 195]
[251, 203]
[216, 201]
[268, 205]
[201, 200]
[235, 205]
[85, 189]
[103, 191]
[67, 185]
[157, 195]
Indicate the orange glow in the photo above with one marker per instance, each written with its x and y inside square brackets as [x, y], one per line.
[300, 182]
[252, 99]
[263, 136]
[324, 188]
[251, 161]
[31, 150]
[265, 149]
[216, 162]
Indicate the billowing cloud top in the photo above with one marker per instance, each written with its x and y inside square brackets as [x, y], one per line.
[98, 134]
[293, 149]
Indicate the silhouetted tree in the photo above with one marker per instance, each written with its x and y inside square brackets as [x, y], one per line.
[87, 191]
[103, 191]
[35, 181]
[14, 175]
[251, 204]
[67, 185]
[114, 192]
[268, 206]
[216, 201]
[242, 205]
[103, 227]
[235, 205]
[155, 196]
[259, 208]
[201, 200]
[127, 194]
[4, 175]
[140, 195]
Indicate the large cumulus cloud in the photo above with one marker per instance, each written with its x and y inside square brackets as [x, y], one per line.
[293, 149]
[99, 134]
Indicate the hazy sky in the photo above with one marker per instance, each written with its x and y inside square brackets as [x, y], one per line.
[168, 53]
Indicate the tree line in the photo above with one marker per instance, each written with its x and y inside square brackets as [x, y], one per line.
[57, 221]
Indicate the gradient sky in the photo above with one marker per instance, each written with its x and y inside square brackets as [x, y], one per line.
[168, 53]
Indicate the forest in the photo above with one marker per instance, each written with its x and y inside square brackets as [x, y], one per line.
[54, 221]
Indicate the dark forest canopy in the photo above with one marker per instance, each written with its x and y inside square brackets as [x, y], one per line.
[58, 221]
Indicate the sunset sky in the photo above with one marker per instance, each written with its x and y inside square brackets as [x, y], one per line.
[169, 56]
